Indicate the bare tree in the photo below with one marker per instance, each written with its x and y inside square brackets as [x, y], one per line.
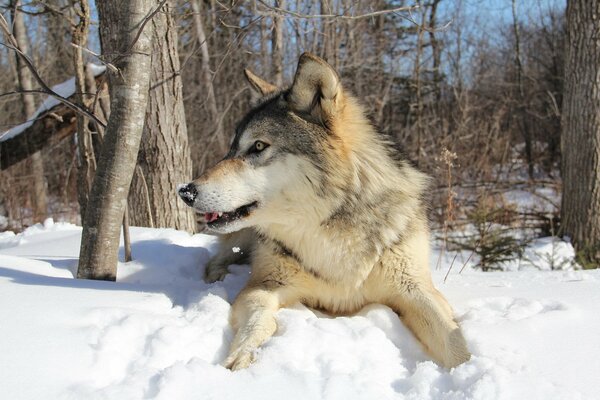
[38, 194]
[580, 141]
[522, 118]
[85, 90]
[436, 51]
[87, 159]
[164, 158]
[216, 131]
[126, 44]
[277, 45]
[419, 84]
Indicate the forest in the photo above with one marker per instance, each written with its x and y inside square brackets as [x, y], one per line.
[119, 283]
[474, 102]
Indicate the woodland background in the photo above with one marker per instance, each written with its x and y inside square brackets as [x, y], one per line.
[472, 90]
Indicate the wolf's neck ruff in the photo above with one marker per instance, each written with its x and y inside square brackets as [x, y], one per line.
[366, 201]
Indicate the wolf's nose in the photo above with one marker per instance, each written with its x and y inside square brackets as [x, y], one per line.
[188, 193]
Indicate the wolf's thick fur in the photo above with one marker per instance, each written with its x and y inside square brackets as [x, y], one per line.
[335, 220]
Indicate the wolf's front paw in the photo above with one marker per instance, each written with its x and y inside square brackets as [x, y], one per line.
[457, 351]
[215, 272]
[238, 359]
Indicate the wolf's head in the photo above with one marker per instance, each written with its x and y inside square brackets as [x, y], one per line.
[284, 157]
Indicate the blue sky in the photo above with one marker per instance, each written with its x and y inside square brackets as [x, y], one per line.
[500, 11]
[490, 13]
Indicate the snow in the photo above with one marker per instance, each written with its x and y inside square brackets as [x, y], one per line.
[541, 199]
[65, 89]
[160, 332]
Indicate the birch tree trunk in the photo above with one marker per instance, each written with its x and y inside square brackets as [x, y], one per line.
[38, 196]
[164, 159]
[120, 23]
[580, 140]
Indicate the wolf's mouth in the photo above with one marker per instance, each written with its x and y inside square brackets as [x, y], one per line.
[217, 218]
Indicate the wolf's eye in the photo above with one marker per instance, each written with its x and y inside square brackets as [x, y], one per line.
[257, 147]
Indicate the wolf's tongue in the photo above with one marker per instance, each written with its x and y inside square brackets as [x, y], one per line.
[210, 216]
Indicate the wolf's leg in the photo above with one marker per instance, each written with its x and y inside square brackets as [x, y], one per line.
[276, 280]
[253, 317]
[234, 248]
[429, 316]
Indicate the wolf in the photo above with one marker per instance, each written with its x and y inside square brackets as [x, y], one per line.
[327, 212]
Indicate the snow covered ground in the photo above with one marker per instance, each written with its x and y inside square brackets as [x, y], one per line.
[160, 333]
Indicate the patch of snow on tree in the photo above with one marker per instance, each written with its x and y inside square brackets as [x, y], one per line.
[65, 89]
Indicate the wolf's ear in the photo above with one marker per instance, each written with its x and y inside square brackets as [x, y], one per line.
[258, 84]
[317, 89]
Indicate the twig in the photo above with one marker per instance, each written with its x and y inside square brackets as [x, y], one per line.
[126, 236]
[422, 26]
[451, 265]
[395, 11]
[475, 248]
[140, 173]
[340, 16]
[468, 259]
[46, 9]
[98, 56]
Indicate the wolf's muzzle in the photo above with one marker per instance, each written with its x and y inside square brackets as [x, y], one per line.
[188, 193]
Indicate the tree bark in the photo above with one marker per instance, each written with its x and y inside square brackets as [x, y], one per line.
[580, 141]
[164, 159]
[120, 23]
[521, 107]
[436, 53]
[38, 195]
[87, 158]
[217, 126]
[277, 45]
[418, 87]
[57, 28]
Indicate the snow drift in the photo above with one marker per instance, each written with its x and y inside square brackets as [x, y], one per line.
[160, 332]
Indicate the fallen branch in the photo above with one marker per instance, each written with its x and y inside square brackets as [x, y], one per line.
[44, 87]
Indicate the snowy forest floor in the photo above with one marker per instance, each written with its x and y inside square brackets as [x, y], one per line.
[160, 332]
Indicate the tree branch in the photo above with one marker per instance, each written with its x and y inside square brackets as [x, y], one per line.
[4, 27]
[340, 16]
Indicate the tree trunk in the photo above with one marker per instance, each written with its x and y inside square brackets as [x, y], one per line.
[277, 45]
[328, 31]
[264, 49]
[217, 126]
[164, 157]
[56, 36]
[436, 54]
[87, 159]
[38, 194]
[522, 106]
[580, 141]
[418, 87]
[120, 22]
